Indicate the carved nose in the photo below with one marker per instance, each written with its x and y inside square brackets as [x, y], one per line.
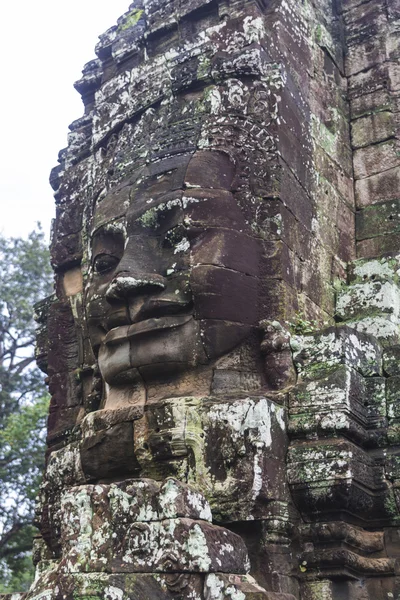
[127, 285]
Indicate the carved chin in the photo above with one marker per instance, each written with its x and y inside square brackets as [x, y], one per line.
[151, 354]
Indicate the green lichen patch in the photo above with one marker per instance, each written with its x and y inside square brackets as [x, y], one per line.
[131, 19]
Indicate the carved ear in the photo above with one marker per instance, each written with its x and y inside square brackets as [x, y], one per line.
[41, 315]
[278, 361]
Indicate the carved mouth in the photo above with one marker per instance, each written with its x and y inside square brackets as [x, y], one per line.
[126, 332]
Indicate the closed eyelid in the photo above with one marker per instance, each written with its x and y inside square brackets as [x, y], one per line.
[108, 241]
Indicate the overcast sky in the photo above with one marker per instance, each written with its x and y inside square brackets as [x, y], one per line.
[44, 45]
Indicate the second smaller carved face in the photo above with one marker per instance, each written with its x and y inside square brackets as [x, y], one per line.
[174, 271]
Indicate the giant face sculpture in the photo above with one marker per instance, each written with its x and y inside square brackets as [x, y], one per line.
[173, 281]
[207, 191]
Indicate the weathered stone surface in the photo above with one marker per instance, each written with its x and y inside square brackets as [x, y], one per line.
[316, 355]
[377, 220]
[378, 188]
[372, 129]
[335, 403]
[375, 159]
[234, 159]
[391, 361]
[321, 474]
[364, 298]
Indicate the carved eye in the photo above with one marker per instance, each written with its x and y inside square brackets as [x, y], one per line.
[103, 263]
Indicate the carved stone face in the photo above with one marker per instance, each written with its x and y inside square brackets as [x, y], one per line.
[173, 270]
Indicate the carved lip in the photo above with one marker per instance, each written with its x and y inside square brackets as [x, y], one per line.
[126, 332]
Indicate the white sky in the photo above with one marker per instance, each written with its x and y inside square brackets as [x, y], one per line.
[44, 45]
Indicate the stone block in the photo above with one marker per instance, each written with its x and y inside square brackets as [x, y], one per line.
[102, 586]
[109, 451]
[391, 361]
[179, 545]
[336, 146]
[385, 328]
[370, 81]
[375, 159]
[378, 188]
[294, 197]
[370, 103]
[321, 589]
[372, 129]
[366, 54]
[392, 541]
[335, 476]
[332, 405]
[315, 355]
[219, 586]
[341, 180]
[212, 286]
[393, 397]
[278, 300]
[374, 247]
[211, 438]
[384, 268]
[375, 401]
[362, 299]
[316, 278]
[365, 21]
[100, 533]
[378, 219]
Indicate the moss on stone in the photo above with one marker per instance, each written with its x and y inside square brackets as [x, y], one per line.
[131, 19]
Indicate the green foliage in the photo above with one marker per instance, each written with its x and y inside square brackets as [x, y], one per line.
[25, 277]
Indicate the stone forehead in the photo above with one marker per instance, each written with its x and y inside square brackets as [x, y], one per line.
[178, 181]
[151, 97]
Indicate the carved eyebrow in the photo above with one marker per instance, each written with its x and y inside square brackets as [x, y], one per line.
[113, 227]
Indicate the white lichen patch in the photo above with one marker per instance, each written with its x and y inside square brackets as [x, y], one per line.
[234, 594]
[126, 283]
[113, 593]
[362, 297]
[217, 589]
[257, 474]
[379, 268]
[77, 526]
[385, 328]
[167, 499]
[64, 467]
[253, 418]
[200, 505]
[215, 101]
[197, 549]
[214, 586]
[182, 246]
[254, 29]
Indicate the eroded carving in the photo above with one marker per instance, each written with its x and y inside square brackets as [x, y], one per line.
[204, 398]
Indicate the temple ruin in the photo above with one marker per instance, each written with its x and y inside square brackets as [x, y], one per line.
[223, 348]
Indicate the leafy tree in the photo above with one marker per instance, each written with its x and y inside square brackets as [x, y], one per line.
[25, 278]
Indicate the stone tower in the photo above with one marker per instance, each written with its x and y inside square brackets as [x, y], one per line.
[223, 347]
